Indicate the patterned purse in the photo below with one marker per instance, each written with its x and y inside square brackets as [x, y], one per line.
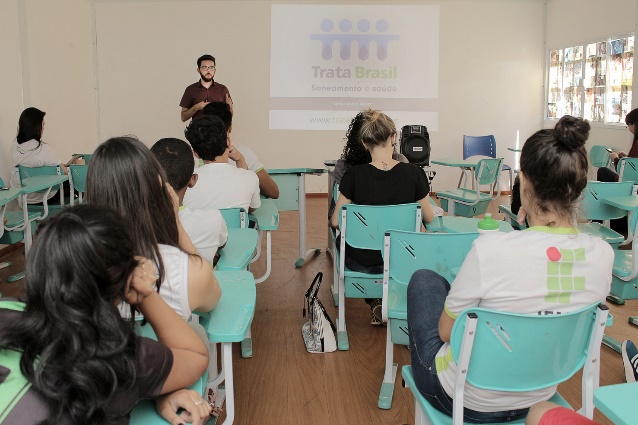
[319, 331]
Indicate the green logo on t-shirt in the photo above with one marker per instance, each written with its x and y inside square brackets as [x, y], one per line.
[560, 280]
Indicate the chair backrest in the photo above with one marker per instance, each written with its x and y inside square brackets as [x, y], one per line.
[628, 169]
[234, 217]
[364, 226]
[526, 352]
[592, 205]
[77, 177]
[479, 145]
[47, 170]
[599, 156]
[487, 171]
[406, 252]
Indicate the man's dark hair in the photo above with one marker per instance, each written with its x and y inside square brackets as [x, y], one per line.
[207, 136]
[176, 157]
[221, 110]
[205, 58]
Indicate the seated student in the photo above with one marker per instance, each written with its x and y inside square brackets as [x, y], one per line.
[125, 175]
[604, 174]
[29, 150]
[84, 363]
[513, 272]
[354, 153]
[206, 228]
[221, 185]
[240, 155]
[383, 181]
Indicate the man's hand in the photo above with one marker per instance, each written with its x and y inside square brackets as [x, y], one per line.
[199, 106]
[195, 409]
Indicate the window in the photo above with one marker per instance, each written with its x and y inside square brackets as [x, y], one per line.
[592, 81]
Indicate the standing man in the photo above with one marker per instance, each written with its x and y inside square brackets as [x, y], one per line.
[206, 90]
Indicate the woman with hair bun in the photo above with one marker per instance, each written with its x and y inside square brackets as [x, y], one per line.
[512, 272]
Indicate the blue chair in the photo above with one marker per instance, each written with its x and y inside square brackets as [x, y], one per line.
[403, 254]
[77, 181]
[502, 351]
[594, 209]
[628, 169]
[472, 202]
[364, 227]
[484, 146]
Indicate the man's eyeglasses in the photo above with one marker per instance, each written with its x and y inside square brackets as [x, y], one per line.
[207, 68]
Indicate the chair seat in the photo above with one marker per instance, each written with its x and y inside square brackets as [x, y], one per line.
[239, 249]
[16, 218]
[612, 237]
[461, 195]
[622, 263]
[436, 417]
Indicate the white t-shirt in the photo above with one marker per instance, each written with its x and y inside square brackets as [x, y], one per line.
[223, 186]
[206, 228]
[251, 159]
[32, 154]
[174, 287]
[536, 271]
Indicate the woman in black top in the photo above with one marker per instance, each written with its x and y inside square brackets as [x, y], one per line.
[384, 181]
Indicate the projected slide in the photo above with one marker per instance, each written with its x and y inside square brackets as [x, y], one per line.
[329, 62]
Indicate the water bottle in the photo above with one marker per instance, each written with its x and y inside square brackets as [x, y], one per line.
[488, 224]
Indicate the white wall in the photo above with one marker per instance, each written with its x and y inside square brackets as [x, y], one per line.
[490, 75]
[572, 22]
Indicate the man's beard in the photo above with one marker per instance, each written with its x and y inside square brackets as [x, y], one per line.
[206, 79]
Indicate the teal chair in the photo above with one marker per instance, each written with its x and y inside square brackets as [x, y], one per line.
[50, 170]
[364, 226]
[403, 254]
[229, 322]
[77, 181]
[241, 244]
[267, 219]
[594, 209]
[625, 271]
[617, 402]
[473, 202]
[503, 351]
[599, 156]
[628, 169]
[484, 146]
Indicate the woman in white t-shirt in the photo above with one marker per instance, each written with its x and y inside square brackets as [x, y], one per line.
[549, 268]
[125, 175]
[29, 150]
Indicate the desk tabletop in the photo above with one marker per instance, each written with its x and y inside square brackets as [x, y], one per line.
[515, 149]
[36, 183]
[616, 402]
[296, 171]
[232, 316]
[9, 195]
[465, 224]
[455, 162]
[626, 202]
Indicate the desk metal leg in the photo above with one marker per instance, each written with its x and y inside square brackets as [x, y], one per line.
[227, 362]
[303, 253]
[268, 258]
[630, 236]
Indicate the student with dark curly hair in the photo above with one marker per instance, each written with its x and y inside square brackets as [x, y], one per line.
[84, 364]
[522, 278]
